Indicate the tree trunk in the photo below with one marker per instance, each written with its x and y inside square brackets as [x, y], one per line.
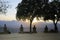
[55, 28]
[30, 26]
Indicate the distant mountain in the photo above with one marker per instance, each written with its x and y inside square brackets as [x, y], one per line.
[41, 26]
[14, 26]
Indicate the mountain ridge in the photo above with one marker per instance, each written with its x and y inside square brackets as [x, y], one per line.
[15, 25]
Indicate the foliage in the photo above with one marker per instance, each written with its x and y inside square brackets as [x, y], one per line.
[27, 9]
[3, 6]
[52, 11]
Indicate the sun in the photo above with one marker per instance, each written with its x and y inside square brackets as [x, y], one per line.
[34, 21]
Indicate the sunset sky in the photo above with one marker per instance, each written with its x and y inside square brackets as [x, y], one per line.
[11, 13]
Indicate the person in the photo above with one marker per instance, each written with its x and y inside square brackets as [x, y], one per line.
[34, 29]
[5, 29]
[46, 29]
[21, 28]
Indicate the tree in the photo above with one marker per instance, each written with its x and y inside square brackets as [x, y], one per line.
[29, 9]
[53, 13]
[3, 6]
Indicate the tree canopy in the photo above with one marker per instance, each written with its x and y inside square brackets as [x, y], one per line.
[27, 9]
[53, 11]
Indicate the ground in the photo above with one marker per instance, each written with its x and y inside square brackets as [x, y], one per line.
[34, 36]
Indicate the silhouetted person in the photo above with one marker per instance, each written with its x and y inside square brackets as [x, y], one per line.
[34, 29]
[46, 29]
[21, 28]
[5, 29]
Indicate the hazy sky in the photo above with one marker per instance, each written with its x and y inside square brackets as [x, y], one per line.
[10, 15]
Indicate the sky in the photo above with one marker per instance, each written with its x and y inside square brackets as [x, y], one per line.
[11, 12]
[10, 15]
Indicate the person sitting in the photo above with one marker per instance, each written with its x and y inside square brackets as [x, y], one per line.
[34, 29]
